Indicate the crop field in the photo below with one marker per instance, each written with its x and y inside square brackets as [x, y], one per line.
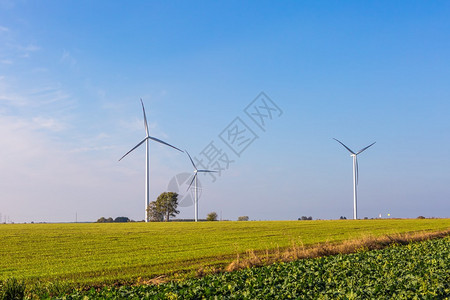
[97, 254]
[415, 271]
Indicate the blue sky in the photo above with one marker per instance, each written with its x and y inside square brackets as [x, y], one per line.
[72, 73]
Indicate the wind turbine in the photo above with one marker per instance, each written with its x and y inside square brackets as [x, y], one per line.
[196, 171]
[147, 148]
[355, 173]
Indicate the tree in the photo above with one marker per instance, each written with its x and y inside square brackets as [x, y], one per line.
[154, 213]
[121, 220]
[104, 220]
[212, 216]
[243, 218]
[165, 206]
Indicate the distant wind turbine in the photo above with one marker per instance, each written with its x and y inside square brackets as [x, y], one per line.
[194, 179]
[147, 161]
[355, 173]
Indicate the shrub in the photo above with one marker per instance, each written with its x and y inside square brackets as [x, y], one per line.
[104, 220]
[50, 290]
[12, 289]
[212, 216]
[243, 218]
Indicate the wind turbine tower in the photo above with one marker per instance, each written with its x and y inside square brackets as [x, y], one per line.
[147, 159]
[355, 174]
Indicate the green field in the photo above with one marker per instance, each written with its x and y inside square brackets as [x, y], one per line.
[415, 271]
[106, 253]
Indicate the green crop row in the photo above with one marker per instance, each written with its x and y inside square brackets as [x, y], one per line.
[415, 271]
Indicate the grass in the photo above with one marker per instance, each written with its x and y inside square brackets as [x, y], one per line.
[97, 254]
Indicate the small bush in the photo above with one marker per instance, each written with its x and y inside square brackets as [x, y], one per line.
[121, 220]
[212, 216]
[46, 290]
[12, 289]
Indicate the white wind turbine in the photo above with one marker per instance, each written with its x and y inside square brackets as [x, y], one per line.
[147, 148]
[355, 173]
[196, 171]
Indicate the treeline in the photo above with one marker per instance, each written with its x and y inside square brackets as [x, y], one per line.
[116, 220]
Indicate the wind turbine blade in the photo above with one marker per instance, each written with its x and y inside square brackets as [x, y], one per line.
[207, 171]
[133, 148]
[190, 159]
[357, 171]
[162, 142]
[344, 146]
[192, 181]
[363, 149]
[145, 118]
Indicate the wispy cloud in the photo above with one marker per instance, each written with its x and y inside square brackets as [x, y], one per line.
[25, 51]
[10, 95]
[94, 143]
[12, 98]
[67, 58]
[29, 48]
[13, 49]
[48, 94]
[39, 70]
[92, 149]
[38, 167]
[13, 93]
[138, 125]
[48, 124]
